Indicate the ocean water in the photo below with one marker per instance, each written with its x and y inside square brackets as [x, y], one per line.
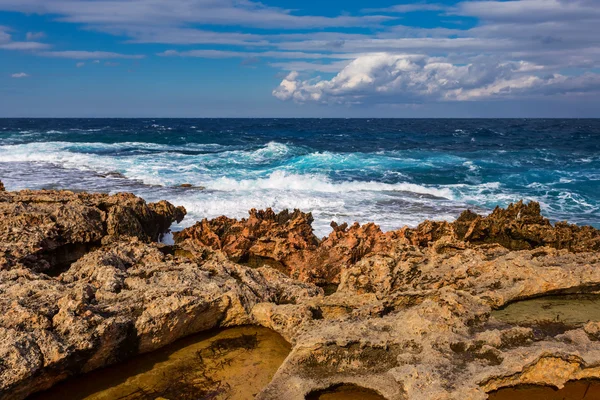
[394, 172]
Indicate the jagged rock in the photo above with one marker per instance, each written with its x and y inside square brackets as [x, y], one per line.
[285, 241]
[49, 229]
[521, 226]
[281, 240]
[2, 189]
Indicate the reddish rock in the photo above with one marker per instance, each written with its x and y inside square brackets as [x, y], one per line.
[285, 241]
[279, 240]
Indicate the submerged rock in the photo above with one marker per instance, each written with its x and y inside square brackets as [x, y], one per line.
[414, 315]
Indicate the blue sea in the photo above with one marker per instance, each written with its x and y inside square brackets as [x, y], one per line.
[393, 172]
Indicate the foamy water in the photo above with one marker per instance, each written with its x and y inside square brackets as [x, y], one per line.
[395, 173]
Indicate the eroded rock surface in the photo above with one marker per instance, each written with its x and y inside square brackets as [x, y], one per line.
[48, 229]
[286, 241]
[411, 317]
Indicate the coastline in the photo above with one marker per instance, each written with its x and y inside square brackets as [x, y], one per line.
[408, 313]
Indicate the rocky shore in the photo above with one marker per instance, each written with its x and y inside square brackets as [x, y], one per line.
[408, 314]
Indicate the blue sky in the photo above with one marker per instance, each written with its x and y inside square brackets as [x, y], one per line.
[243, 58]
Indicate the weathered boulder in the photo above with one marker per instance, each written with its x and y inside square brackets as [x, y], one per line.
[125, 298]
[47, 230]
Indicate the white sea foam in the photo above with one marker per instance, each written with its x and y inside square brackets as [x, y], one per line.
[280, 180]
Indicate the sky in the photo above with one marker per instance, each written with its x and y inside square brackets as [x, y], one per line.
[292, 58]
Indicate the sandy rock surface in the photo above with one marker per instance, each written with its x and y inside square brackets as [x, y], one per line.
[83, 284]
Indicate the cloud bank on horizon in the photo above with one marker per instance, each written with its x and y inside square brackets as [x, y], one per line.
[392, 53]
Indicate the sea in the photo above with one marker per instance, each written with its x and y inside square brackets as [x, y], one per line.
[393, 172]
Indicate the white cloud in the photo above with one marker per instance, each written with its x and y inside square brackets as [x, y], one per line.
[31, 36]
[80, 64]
[486, 58]
[25, 46]
[6, 42]
[332, 67]
[406, 8]
[110, 13]
[401, 78]
[87, 55]
[244, 54]
[288, 87]
[4, 35]
[20, 75]
[530, 10]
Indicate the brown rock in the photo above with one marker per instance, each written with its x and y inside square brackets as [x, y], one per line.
[50, 229]
[278, 240]
[412, 317]
[128, 297]
[521, 226]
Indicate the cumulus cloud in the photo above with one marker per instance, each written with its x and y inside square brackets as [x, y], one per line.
[401, 78]
[20, 75]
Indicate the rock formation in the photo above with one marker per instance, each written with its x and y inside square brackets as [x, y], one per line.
[84, 285]
[50, 229]
[286, 241]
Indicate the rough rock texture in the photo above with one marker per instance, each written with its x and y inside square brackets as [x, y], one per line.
[286, 241]
[50, 229]
[127, 297]
[520, 227]
[411, 317]
[415, 324]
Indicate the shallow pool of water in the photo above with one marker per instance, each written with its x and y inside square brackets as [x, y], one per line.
[345, 392]
[576, 390]
[570, 310]
[232, 364]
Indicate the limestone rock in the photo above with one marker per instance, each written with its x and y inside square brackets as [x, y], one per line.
[125, 298]
[50, 229]
[412, 316]
[286, 242]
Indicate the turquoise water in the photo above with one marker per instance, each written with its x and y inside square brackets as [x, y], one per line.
[392, 172]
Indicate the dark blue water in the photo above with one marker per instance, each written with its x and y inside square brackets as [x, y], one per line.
[390, 171]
